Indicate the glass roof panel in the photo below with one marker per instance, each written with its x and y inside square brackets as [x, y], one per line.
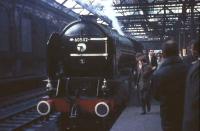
[78, 11]
[84, 12]
[70, 3]
[60, 1]
[154, 13]
[77, 6]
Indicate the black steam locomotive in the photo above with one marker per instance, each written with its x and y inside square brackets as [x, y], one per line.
[89, 67]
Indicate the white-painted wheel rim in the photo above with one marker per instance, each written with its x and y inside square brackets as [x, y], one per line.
[48, 110]
[107, 107]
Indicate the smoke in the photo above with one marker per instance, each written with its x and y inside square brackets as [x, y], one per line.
[109, 11]
[103, 8]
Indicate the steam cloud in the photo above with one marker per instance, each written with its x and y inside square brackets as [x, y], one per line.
[103, 8]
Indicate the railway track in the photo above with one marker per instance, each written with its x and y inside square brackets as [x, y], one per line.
[11, 105]
[26, 120]
[20, 119]
[21, 114]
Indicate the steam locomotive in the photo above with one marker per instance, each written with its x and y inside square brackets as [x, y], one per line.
[89, 68]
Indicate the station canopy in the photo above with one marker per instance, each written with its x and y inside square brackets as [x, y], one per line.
[145, 20]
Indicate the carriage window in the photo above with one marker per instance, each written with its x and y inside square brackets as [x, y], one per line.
[82, 29]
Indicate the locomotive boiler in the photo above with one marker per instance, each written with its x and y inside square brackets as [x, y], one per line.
[89, 68]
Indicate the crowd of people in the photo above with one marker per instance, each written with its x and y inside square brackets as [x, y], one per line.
[174, 82]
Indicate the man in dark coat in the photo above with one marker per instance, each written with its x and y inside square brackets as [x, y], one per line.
[194, 54]
[169, 85]
[143, 83]
[152, 59]
[191, 107]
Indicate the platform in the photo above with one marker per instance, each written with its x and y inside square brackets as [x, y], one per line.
[131, 120]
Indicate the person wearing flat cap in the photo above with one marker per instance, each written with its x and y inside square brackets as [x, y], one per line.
[144, 72]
